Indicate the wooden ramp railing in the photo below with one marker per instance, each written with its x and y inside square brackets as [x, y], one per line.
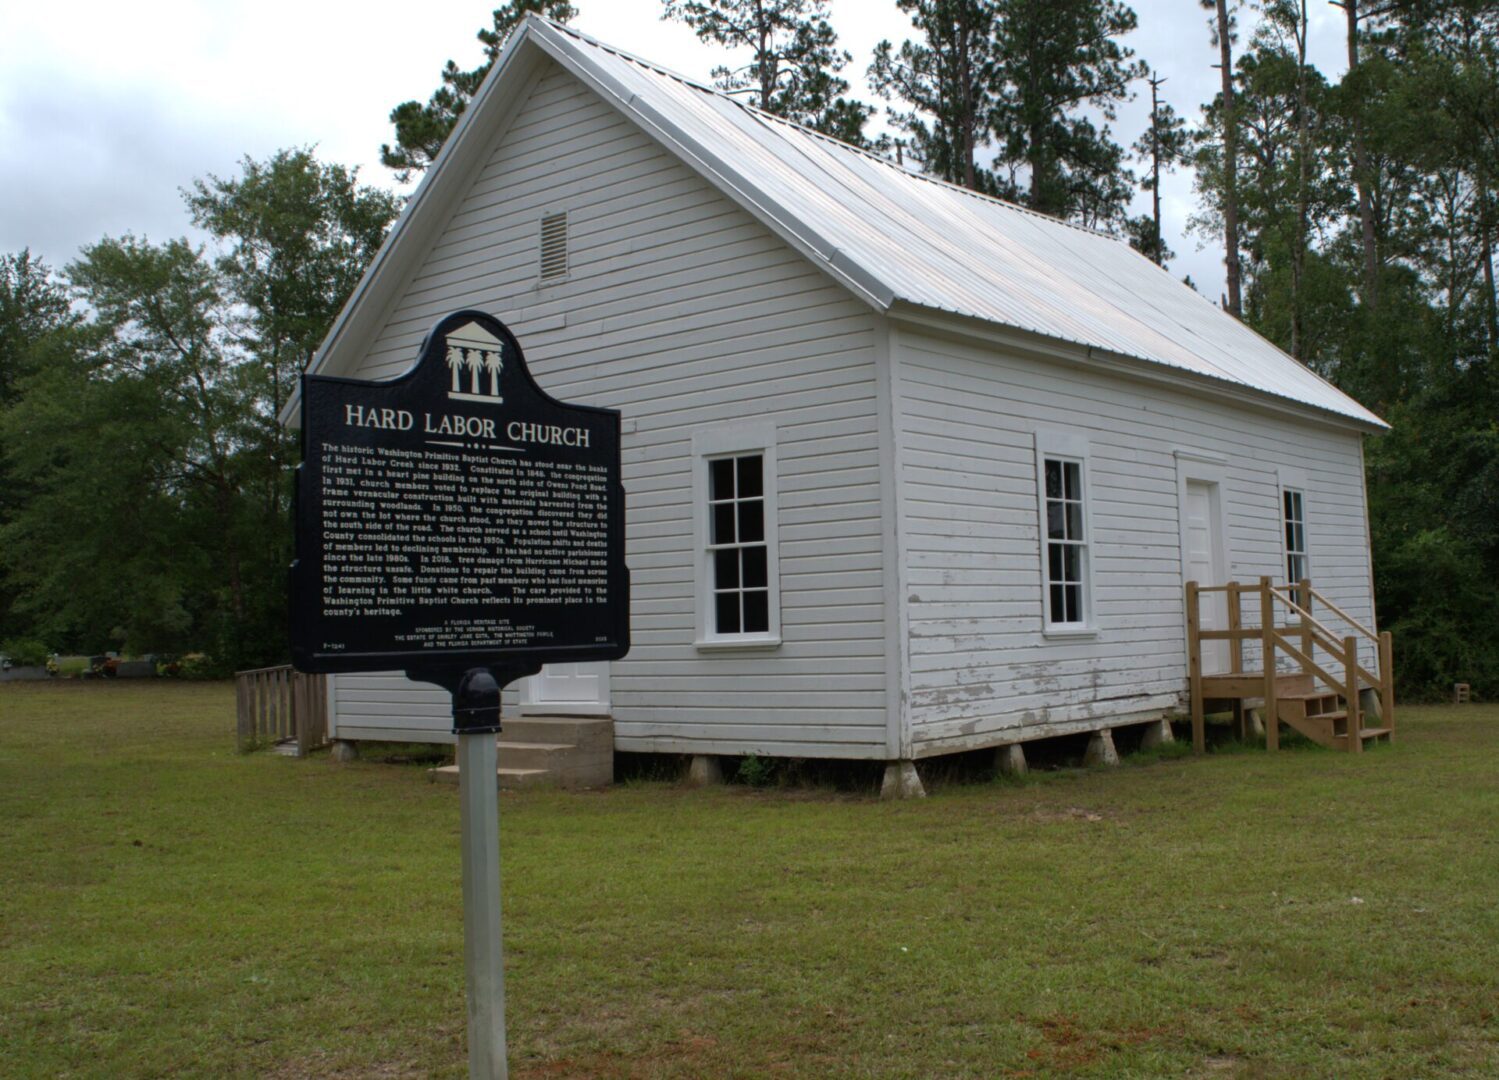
[275, 704]
[1322, 697]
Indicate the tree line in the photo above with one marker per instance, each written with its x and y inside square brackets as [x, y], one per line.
[145, 493]
[144, 479]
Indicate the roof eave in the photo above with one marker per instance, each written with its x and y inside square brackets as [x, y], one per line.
[1055, 348]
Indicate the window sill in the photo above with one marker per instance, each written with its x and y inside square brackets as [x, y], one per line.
[1066, 632]
[747, 642]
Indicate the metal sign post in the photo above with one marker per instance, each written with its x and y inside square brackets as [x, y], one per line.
[460, 525]
[476, 719]
[482, 943]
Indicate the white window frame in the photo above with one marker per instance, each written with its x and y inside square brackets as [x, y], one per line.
[1066, 447]
[709, 444]
[1291, 480]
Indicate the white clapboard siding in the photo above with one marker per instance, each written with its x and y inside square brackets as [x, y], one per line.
[682, 311]
[386, 706]
[980, 668]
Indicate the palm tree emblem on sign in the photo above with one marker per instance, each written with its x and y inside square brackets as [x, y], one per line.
[475, 364]
[455, 361]
[474, 351]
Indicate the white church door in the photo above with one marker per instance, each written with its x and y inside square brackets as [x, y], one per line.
[568, 690]
[1206, 564]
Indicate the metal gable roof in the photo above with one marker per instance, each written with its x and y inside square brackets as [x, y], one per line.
[893, 235]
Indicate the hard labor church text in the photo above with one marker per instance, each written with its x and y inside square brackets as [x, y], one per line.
[437, 522]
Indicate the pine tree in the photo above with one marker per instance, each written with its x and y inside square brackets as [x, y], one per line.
[422, 129]
[945, 77]
[1163, 145]
[1053, 59]
[1286, 28]
[1288, 191]
[33, 309]
[1361, 173]
[794, 59]
[1223, 26]
[32, 304]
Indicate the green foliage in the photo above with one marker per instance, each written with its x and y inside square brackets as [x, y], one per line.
[24, 652]
[1164, 145]
[945, 81]
[794, 64]
[97, 551]
[1434, 494]
[1143, 231]
[422, 129]
[297, 235]
[166, 528]
[198, 666]
[33, 306]
[1054, 60]
[1019, 78]
[756, 771]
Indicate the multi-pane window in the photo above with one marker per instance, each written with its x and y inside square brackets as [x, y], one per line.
[738, 553]
[737, 575]
[1066, 543]
[1294, 512]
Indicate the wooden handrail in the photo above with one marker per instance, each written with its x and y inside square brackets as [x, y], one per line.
[1321, 636]
[1349, 619]
[1328, 640]
[1283, 641]
[1306, 615]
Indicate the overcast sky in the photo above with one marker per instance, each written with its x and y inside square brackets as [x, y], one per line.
[107, 109]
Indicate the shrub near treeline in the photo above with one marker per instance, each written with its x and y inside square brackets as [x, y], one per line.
[24, 652]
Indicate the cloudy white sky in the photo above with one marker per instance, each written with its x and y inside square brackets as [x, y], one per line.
[107, 110]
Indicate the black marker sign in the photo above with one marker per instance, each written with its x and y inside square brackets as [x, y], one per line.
[457, 517]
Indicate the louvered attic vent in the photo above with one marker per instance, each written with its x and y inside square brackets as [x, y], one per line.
[553, 247]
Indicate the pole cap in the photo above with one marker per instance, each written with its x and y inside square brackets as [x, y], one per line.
[476, 703]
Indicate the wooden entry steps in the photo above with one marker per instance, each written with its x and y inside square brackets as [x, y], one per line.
[1326, 698]
[1317, 714]
[1321, 717]
[549, 751]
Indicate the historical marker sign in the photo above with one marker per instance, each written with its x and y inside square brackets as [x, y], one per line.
[461, 525]
[457, 517]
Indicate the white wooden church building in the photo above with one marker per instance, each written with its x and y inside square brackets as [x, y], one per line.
[909, 470]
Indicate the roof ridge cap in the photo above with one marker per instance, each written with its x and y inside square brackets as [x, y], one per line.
[650, 65]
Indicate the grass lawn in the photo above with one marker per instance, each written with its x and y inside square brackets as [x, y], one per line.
[170, 907]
